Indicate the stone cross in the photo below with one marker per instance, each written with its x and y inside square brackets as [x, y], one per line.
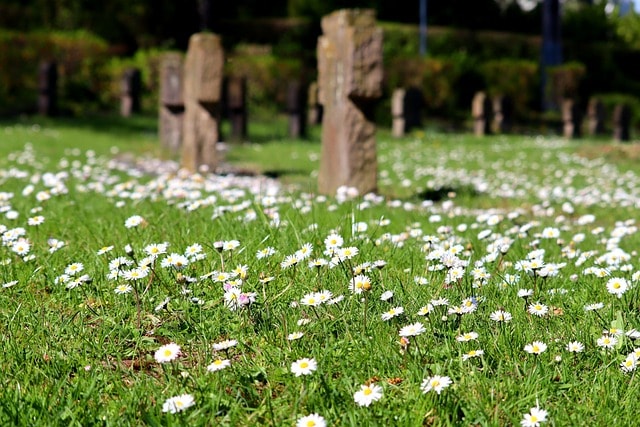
[296, 104]
[171, 109]
[131, 86]
[350, 75]
[621, 122]
[481, 113]
[571, 119]
[203, 70]
[48, 88]
[236, 100]
[595, 114]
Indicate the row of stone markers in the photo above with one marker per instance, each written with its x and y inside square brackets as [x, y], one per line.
[572, 117]
[494, 115]
[350, 74]
[130, 90]
[491, 115]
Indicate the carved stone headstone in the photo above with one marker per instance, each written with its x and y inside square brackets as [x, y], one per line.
[621, 122]
[481, 113]
[571, 119]
[131, 85]
[171, 109]
[502, 114]
[314, 112]
[203, 70]
[350, 81]
[48, 88]
[296, 104]
[596, 116]
[406, 110]
[236, 100]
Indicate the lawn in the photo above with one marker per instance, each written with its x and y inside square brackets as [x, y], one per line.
[492, 281]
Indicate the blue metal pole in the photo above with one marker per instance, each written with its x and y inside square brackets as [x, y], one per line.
[423, 27]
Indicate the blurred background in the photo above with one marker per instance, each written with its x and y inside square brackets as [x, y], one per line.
[535, 51]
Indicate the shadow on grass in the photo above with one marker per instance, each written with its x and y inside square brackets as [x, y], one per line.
[443, 193]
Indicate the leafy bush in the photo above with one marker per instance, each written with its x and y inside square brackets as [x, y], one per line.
[267, 76]
[611, 100]
[79, 56]
[437, 77]
[564, 80]
[517, 79]
[403, 40]
[148, 62]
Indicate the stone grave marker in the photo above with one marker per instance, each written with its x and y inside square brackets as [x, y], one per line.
[350, 81]
[296, 103]
[171, 109]
[131, 86]
[203, 70]
[48, 88]
[406, 110]
[502, 114]
[481, 113]
[236, 100]
[595, 116]
[571, 119]
[397, 113]
[621, 122]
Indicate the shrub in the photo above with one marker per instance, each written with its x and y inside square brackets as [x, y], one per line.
[267, 76]
[517, 79]
[79, 56]
[437, 77]
[564, 80]
[148, 62]
[610, 100]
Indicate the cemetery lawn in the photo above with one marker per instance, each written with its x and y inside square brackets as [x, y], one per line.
[492, 282]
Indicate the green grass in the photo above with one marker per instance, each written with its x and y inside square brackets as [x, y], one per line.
[84, 355]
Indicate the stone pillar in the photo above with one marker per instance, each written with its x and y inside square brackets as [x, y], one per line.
[398, 125]
[571, 119]
[595, 115]
[621, 122]
[502, 114]
[350, 81]
[481, 113]
[202, 94]
[131, 85]
[171, 109]
[413, 106]
[406, 110]
[236, 97]
[296, 103]
[48, 88]
[314, 112]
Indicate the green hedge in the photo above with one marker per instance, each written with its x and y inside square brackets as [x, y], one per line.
[267, 76]
[517, 79]
[148, 62]
[438, 78]
[611, 100]
[81, 75]
[564, 81]
[404, 39]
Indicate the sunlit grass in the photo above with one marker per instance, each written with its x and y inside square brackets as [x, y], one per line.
[83, 354]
